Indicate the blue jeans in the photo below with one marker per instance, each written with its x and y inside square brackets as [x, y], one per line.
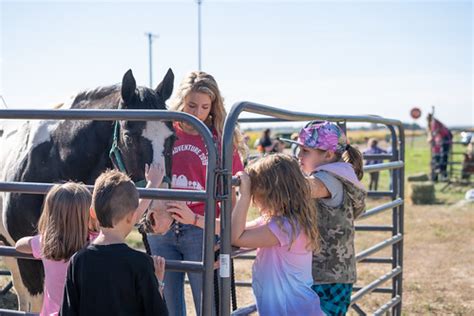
[181, 242]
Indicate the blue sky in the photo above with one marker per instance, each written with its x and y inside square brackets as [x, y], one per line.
[339, 57]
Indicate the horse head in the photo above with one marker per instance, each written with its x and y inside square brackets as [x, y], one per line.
[137, 143]
[53, 151]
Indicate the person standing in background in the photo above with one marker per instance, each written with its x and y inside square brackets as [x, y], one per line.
[373, 149]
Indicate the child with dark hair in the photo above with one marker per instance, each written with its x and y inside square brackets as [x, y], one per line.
[108, 277]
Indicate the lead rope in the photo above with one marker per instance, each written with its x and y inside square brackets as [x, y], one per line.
[233, 292]
[216, 291]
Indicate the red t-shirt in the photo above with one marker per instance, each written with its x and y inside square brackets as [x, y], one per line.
[190, 165]
[440, 134]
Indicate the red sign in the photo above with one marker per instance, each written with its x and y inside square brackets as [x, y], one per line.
[415, 113]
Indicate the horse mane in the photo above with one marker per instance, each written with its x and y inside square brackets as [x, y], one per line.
[86, 99]
[58, 106]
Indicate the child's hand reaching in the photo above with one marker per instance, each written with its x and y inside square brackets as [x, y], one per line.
[244, 187]
[180, 212]
[159, 264]
[154, 174]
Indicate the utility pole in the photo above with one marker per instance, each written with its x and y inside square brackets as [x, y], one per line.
[151, 36]
[199, 33]
[4, 103]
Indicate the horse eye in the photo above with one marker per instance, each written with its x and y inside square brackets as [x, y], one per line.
[128, 124]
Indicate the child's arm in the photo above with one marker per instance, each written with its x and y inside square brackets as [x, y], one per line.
[148, 293]
[181, 213]
[318, 189]
[257, 237]
[254, 223]
[159, 264]
[154, 176]
[24, 245]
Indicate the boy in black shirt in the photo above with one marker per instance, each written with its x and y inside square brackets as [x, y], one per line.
[108, 277]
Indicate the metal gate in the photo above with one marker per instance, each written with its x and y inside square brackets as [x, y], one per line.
[209, 195]
[395, 164]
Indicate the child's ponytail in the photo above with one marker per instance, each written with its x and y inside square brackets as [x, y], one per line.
[354, 157]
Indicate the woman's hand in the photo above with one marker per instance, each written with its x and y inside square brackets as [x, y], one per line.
[158, 220]
[154, 174]
[181, 212]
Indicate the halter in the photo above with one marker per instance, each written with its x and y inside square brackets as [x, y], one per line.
[116, 156]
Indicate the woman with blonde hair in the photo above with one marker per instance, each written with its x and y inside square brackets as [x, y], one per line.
[194, 86]
[198, 95]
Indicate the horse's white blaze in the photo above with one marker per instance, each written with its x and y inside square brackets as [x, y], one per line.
[16, 144]
[157, 133]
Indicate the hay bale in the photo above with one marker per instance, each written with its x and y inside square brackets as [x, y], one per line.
[419, 177]
[422, 192]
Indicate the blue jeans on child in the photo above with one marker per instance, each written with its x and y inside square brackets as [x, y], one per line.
[181, 242]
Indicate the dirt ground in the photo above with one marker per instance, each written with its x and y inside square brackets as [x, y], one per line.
[438, 263]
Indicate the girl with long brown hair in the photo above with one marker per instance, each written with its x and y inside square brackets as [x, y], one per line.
[285, 234]
[63, 229]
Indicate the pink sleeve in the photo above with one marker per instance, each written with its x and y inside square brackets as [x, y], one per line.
[236, 163]
[35, 244]
[92, 236]
[283, 236]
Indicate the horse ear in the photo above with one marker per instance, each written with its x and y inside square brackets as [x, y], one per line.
[129, 87]
[165, 88]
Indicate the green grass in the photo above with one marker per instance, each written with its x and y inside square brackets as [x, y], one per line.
[417, 156]
[417, 160]
[134, 240]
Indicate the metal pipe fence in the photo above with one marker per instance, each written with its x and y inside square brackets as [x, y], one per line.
[396, 193]
[461, 168]
[209, 195]
[223, 170]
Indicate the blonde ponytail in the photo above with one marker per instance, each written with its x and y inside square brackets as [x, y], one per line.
[353, 156]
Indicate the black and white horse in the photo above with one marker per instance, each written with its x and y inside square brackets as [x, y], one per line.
[54, 151]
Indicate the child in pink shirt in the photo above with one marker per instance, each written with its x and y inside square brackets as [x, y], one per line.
[285, 234]
[63, 230]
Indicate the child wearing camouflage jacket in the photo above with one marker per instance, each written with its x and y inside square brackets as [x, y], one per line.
[334, 169]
